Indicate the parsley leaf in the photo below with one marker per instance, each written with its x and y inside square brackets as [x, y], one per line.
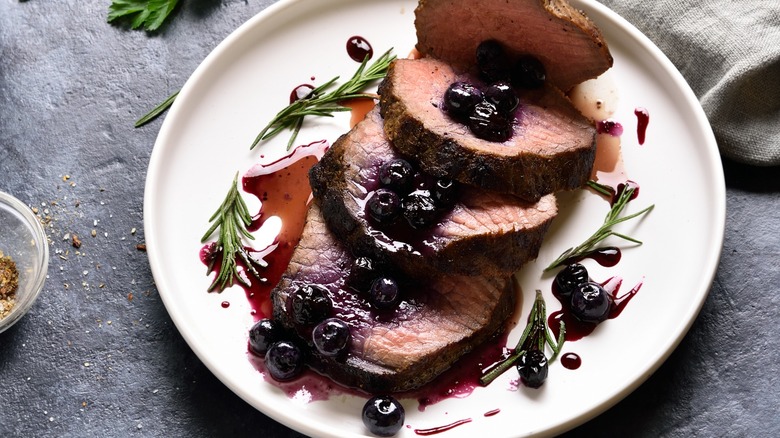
[147, 13]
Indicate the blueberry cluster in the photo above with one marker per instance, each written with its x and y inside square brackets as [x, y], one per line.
[284, 358]
[489, 112]
[383, 292]
[588, 300]
[400, 195]
[310, 308]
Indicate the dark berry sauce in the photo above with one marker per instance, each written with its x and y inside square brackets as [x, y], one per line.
[225, 304]
[459, 381]
[463, 377]
[642, 119]
[571, 361]
[614, 192]
[610, 127]
[359, 49]
[440, 429]
[576, 329]
[608, 256]
[283, 189]
[492, 412]
[301, 92]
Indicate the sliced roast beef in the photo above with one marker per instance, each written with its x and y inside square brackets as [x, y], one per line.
[563, 38]
[483, 233]
[401, 348]
[552, 147]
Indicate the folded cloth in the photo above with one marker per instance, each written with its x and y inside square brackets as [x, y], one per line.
[729, 52]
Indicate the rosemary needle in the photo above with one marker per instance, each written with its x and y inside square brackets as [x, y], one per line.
[322, 103]
[232, 219]
[613, 218]
[159, 109]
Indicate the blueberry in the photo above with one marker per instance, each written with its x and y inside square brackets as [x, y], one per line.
[284, 361]
[590, 302]
[444, 192]
[460, 99]
[397, 175]
[361, 274]
[528, 73]
[309, 304]
[492, 61]
[419, 209]
[532, 367]
[570, 277]
[383, 415]
[264, 333]
[384, 293]
[331, 336]
[503, 96]
[487, 123]
[384, 206]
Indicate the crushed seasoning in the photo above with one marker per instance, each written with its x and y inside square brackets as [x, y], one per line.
[9, 282]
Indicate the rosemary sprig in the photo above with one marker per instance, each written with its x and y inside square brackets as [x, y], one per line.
[535, 336]
[232, 218]
[613, 218]
[320, 103]
[159, 109]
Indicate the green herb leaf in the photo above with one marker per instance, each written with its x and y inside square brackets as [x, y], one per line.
[535, 336]
[320, 103]
[232, 219]
[149, 14]
[613, 218]
[159, 109]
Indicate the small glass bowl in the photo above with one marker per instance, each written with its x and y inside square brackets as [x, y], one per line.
[23, 239]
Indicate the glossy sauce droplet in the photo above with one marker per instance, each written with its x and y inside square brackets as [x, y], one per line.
[622, 186]
[283, 189]
[608, 256]
[571, 361]
[359, 108]
[301, 92]
[610, 127]
[358, 48]
[642, 119]
[492, 412]
[225, 304]
[440, 429]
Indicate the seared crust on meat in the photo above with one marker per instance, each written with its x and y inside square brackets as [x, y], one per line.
[567, 42]
[438, 321]
[552, 149]
[485, 233]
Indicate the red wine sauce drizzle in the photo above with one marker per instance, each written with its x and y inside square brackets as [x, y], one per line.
[492, 412]
[462, 378]
[642, 119]
[610, 127]
[571, 361]
[358, 49]
[607, 256]
[440, 429]
[283, 189]
[301, 92]
[613, 196]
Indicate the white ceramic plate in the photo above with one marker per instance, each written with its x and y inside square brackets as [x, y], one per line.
[240, 86]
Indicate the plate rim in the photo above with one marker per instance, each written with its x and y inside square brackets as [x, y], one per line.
[707, 276]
